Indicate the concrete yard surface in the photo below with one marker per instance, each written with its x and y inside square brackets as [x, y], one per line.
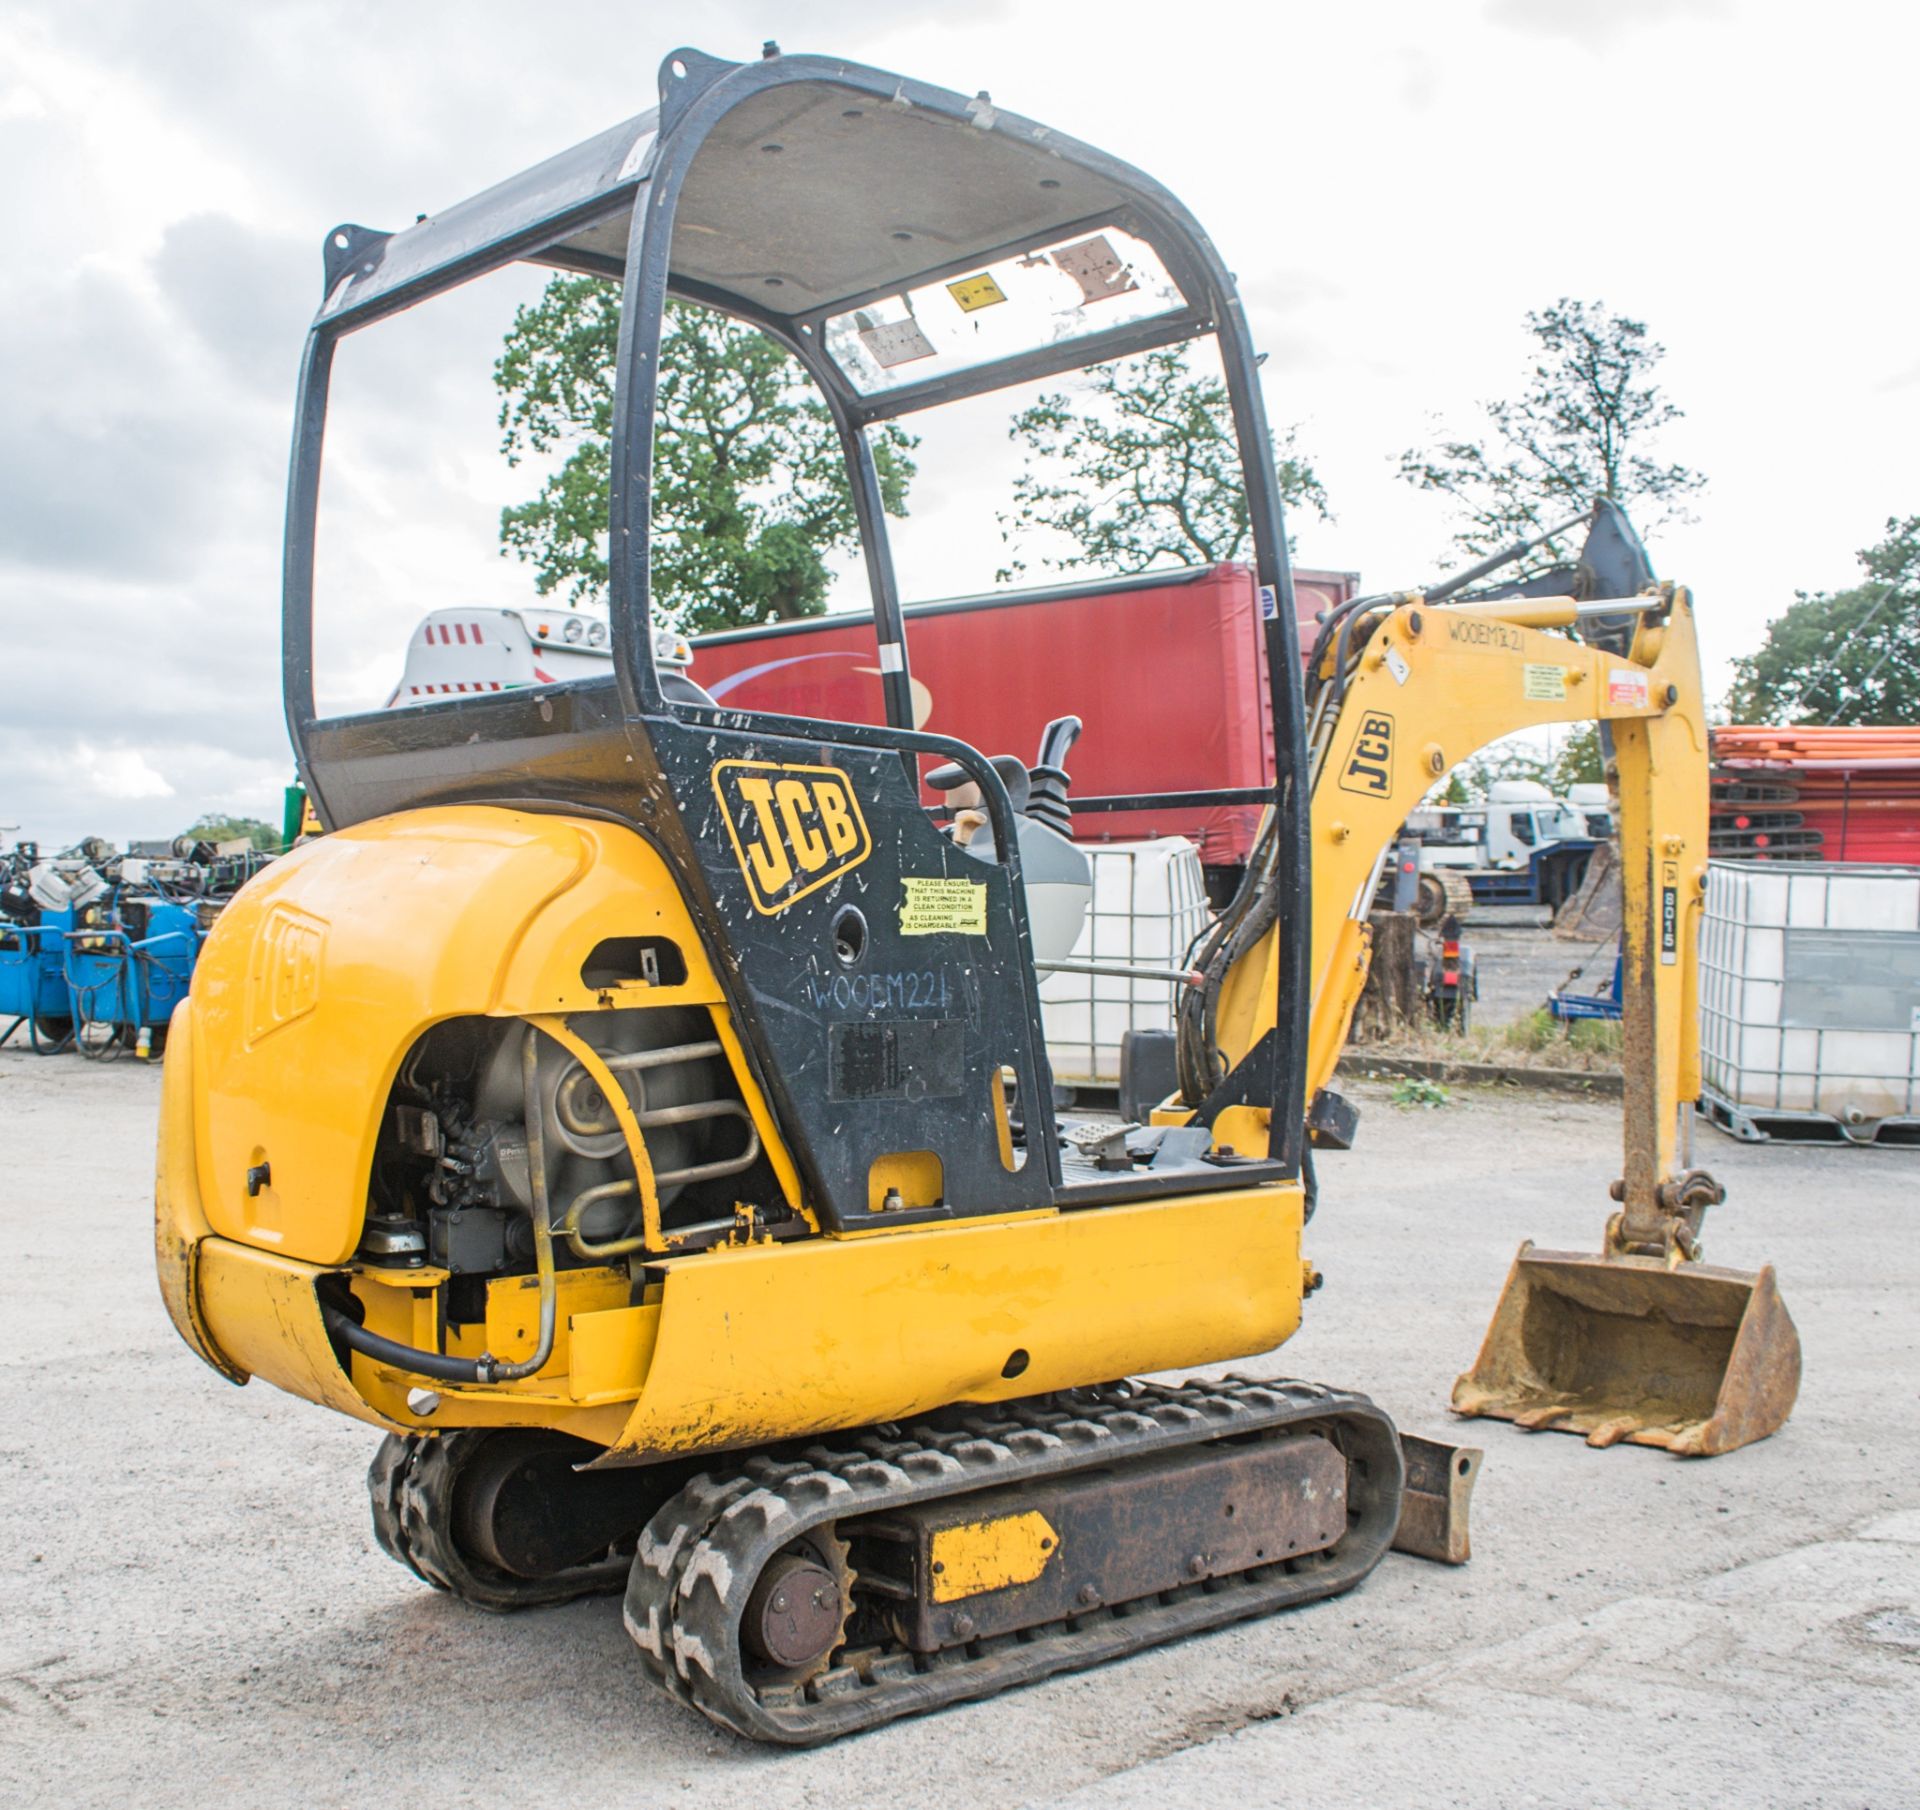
[193, 1611]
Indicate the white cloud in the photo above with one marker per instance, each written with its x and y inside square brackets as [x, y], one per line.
[18, 101]
[1599, 24]
[117, 773]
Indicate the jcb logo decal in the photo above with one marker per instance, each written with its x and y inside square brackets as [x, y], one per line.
[283, 970]
[1369, 768]
[793, 828]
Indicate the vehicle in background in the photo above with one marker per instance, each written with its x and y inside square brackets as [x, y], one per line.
[1595, 804]
[1523, 846]
[457, 652]
[461, 651]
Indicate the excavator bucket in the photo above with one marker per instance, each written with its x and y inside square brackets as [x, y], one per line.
[1694, 1358]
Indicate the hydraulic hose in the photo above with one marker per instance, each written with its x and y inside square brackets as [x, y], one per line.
[486, 1369]
[415, 1362]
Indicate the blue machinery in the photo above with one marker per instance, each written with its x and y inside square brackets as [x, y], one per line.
[33, 981]
[104, 975]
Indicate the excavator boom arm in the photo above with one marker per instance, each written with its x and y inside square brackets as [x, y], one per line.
[1641, 1342]
[1432, 685]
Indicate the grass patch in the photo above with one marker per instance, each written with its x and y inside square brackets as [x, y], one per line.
[1539, 1040]
[1540, 1032]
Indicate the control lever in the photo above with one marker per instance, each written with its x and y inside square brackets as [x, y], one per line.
[1048, 779]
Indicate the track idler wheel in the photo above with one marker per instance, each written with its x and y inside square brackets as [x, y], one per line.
[504, 1519]
[796, 1618]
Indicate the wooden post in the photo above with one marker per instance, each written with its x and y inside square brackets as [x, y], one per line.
[1390, 1002]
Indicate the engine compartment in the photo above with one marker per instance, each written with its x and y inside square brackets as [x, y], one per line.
[452, 1187]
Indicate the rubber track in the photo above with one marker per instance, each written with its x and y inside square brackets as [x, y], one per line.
[412, 1481]
[700, 1555]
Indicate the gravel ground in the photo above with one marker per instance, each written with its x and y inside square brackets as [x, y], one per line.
[1520, 965]
[192, 1610]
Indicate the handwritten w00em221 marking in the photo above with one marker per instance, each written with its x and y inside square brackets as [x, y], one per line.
[905, 990]
[1470, 631]
[793, 828]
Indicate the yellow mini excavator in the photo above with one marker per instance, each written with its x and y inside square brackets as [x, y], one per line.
[637, 1109]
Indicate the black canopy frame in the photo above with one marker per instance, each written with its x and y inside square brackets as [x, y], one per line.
[623, 205]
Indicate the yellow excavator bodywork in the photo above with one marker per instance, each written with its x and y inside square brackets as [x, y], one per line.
[637, 1107]
[312, 991]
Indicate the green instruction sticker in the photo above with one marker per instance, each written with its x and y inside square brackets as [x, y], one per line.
[941, 907]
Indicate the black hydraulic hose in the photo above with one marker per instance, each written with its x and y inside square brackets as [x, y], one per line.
[1494, 561]
[350, 1332]
[1339, 622]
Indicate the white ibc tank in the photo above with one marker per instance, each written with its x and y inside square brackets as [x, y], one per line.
[1149, 903]
[1810, 989]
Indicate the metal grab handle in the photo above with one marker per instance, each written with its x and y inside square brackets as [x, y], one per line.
[1186, 977]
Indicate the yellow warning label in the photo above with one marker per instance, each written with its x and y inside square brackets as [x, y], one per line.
[939, 907]
[975, 293]
[990, 1555]
[1543, 682]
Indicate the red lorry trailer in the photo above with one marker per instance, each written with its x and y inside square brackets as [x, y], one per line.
[1167, 671]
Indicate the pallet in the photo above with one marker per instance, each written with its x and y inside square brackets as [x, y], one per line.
[1763, 1125]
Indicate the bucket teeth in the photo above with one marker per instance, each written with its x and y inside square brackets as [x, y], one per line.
[1698, 1359]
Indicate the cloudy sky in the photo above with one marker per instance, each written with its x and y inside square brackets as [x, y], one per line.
[1395, 184]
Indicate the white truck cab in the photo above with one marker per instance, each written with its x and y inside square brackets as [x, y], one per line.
[1595, 806]
[1520, 817]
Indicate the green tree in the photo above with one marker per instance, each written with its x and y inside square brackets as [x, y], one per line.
[750, 492]
[1579, 761]
[1842, 656]
[215, 828]
[1578, 430]
[1576, 761]
[1140, 467]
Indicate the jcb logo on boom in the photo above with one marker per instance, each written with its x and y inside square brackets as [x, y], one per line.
[793, 828]
[1369, 768]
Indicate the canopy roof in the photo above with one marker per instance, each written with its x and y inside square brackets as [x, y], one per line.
[806, 193]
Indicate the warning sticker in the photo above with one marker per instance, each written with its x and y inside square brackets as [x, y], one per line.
[1397, 665]
[941, 907]
[1627, 685]
[1096, 267]
[896, 343]
[1543, 683]
[974, 293]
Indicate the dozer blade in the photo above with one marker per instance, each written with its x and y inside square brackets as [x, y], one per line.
[1694, 1358]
